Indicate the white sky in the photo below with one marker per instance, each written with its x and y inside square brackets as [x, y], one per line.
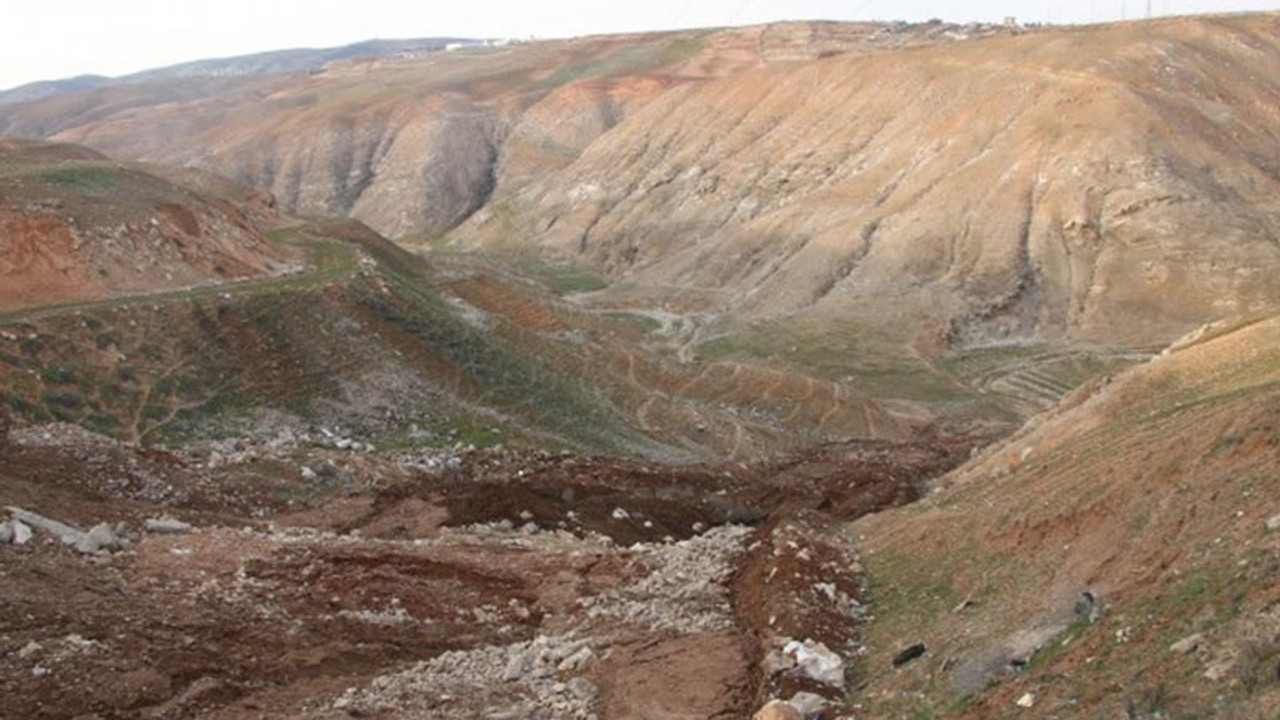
[49, 39]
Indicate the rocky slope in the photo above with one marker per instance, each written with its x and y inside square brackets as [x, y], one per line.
[1118, 557]
[76, 226]
[1112, 184]
[413, 144]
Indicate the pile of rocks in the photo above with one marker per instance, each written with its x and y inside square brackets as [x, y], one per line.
[684, 587]
[539, 679]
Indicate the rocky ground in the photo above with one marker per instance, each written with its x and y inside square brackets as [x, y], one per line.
[315, 581]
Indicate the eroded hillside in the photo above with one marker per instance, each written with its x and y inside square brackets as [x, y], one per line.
[1114, 185]
[76, 226]
[412, 144]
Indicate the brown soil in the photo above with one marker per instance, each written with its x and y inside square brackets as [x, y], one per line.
[271, 609]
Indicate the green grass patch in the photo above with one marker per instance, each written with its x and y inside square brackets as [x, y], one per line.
[644, 323]
[876, 364]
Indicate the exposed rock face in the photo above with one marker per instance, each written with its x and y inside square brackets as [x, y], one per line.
[1042, 186]
[412, 145]
[76, 226]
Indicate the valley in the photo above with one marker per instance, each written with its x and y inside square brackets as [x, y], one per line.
[890, 370]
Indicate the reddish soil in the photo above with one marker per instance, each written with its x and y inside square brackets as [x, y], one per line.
[271, 609]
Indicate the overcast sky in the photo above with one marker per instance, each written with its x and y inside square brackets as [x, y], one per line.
[48, 39]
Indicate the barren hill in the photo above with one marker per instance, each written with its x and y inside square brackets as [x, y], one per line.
[412, 144]
[77, 226]
[1113, 184]
[1154, 493]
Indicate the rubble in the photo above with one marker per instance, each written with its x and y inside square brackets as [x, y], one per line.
[166, 526]
[516, 681]
[817, 662]
[809, 704]
[99, 538]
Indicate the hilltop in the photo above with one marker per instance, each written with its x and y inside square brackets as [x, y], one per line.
[75, 226]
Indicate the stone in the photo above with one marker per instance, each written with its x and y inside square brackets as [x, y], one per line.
[914, 652]
[1187, 645]
[809, 705]
[100, 537]
[21, 533]
[817, 662]
[576, 661]
[62, 531]
[583, 689]
[1274, 524]
[778, 710]
[1218, 670]
[520, 665]
[1027, 701]
[166, 526]
[6, 533]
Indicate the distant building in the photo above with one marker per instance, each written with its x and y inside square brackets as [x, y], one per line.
[454, 46]
[1011, 21]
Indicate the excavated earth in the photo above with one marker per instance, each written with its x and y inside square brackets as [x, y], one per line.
[480, 584]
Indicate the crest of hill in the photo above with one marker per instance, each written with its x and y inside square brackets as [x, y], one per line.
[76, 226]
[275, 61]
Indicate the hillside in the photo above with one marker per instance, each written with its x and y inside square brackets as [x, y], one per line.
[987, 216]
[893, 371]
[413, 144]
[75, 226]
[275, 61]
[1113, 185]
[1154, 492]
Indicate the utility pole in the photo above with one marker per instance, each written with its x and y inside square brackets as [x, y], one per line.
[1148, 9]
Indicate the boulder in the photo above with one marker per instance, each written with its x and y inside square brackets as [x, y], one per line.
[809, 704]
[817, 662]
[6, 533]
[100, 537]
